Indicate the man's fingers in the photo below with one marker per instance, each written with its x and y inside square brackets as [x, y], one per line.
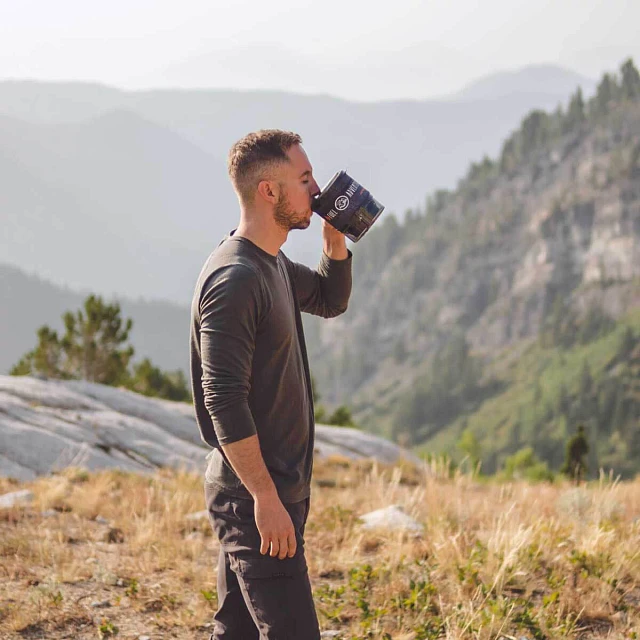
[293, 544]
[284, 547]
[275, 547]
[264, 545]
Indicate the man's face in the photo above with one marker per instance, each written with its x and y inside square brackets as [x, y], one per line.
[297, 188]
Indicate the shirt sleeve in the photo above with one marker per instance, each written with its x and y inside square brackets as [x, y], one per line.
[230, 309]
[324, 291]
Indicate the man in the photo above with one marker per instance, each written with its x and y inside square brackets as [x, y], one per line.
[252, 389]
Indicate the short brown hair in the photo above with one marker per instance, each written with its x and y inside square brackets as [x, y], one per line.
[251, 157]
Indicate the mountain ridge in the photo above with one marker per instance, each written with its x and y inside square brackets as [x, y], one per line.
[123, 172]
[555, 79]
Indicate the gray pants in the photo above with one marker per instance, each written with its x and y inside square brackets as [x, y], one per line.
[259, 597]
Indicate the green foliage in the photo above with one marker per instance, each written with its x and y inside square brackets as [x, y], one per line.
[331, 602]
[94, 348]
[606, 93]
[547, 392]
[595, 324]
[45, 359]
[451, 383]
[341, 417]
[470, 447]
[149, 380]
[506, 409]
[524, 464]
[132, 588]
[479, 179]
[536, 133]
[107, 628]
[90, 349]
[540, 128]
[576, 115]
[382, 243]
[630, 86]
[211, 597]
[563, 328]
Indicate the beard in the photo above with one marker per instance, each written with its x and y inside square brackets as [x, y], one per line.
[285, 216]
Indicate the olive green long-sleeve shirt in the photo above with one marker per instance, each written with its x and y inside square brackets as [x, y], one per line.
[249, 367]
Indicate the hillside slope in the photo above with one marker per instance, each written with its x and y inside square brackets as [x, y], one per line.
[554, 220]
[115, 203]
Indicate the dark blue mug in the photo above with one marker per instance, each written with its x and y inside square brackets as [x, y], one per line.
[347, 206]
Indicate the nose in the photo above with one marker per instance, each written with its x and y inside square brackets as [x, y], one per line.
[315, 189]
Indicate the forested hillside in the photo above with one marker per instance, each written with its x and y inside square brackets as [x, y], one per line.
[534, 258]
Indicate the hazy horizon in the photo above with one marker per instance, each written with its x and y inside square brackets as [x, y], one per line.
[402, 51]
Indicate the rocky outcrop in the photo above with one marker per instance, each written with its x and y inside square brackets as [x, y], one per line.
[47, 425]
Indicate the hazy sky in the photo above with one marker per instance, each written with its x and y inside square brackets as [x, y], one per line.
[402, 49]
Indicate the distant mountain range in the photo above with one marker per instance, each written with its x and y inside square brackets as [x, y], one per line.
[127, 192]
[537, 80]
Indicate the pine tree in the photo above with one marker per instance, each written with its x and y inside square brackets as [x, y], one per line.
[90, 349]
[630, 85]
[93, 339]
[575, 113]
[46, 359]
[606, 93]
[534, 131]
[341, 417]
[94, 348]
[149, 380]
[577, 448]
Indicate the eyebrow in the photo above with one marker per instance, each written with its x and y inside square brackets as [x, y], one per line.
[306, 173]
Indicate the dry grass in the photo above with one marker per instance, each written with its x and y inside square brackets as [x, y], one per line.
[496, 561]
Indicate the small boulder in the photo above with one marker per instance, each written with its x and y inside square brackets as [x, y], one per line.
[392, 518]
[16, 499]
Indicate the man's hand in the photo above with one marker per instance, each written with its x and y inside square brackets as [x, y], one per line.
[272, 519]
[335, 243]
[275, 527]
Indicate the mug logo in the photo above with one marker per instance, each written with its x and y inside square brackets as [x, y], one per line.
[342, 202]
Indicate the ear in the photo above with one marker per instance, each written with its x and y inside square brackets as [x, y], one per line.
[269, 190]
